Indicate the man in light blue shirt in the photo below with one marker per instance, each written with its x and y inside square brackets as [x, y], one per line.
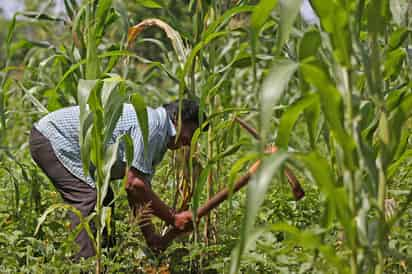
[54, 145]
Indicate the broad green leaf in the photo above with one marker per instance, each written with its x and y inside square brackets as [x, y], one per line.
[393, 63]
[152, 4]
[199, 189]
[113, 109]
[141, 112]
[378, 13]
[273, 88]
[193, 145]
[10, 34]
[83, 93]
[236, 169]
[334, 19]
[228, 151]
[70, 8]
[261, 13]
[398, 37]
[384, 129]
[309, 44]
[289, 10]
[92, 61]
[332, 107]
[129, 149]
[257, 189]
[396, 121]
[106, 220]
[110, 158]
[196, 50]
[290, 116]
[103, 7]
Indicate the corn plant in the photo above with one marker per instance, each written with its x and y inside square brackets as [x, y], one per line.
[334, 96]
[355, 93]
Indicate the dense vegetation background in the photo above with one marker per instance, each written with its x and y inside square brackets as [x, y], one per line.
[334, 94]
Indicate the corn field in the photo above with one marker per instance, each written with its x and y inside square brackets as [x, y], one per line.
[324, 86]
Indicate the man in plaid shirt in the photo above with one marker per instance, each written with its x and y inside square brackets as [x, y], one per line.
[54, 146]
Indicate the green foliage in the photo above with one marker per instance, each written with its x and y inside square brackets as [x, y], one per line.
[335, 98]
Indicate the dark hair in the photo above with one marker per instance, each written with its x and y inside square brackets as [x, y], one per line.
[190, 111]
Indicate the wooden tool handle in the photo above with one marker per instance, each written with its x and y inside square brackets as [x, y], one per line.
[297, 190]
[214, 202]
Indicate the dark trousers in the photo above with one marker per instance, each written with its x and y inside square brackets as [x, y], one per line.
[74, 191]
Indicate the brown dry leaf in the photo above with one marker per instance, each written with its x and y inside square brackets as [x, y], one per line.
[172, 34]
[164, 269]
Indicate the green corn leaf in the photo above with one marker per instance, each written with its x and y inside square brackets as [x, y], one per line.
[257, 189]
[199, 189]
[228, 151]
[152, 4]
[193, 145]
[393, 63]
[273, 88]
[86, 119]
[334, 19]
[290, 116]
[129, 149]
[398, 37]
[10, 33]
[384, 129]
[309, 44]
[103, 8]
[236, 169]
[261, 13]
[289, 10]
[70, 9]
[110, 157]
[106, 220]
[141, 112]
[332, 107]
[378, 13]
[113, 108]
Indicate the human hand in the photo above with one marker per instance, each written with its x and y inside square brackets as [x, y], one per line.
[182, 219]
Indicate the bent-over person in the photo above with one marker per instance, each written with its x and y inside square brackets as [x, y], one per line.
[54, 146]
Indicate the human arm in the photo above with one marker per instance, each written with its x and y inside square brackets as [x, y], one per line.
[139, 194]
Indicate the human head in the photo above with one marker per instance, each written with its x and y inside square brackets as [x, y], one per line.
[190, 121]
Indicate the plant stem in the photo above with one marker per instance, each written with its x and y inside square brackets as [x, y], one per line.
[381, 204]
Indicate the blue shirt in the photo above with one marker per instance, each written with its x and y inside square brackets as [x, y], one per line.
[61, 127]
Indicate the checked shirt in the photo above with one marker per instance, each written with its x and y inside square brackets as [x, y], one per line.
[61, 127]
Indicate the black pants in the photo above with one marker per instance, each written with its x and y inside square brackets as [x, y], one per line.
[74, 191]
